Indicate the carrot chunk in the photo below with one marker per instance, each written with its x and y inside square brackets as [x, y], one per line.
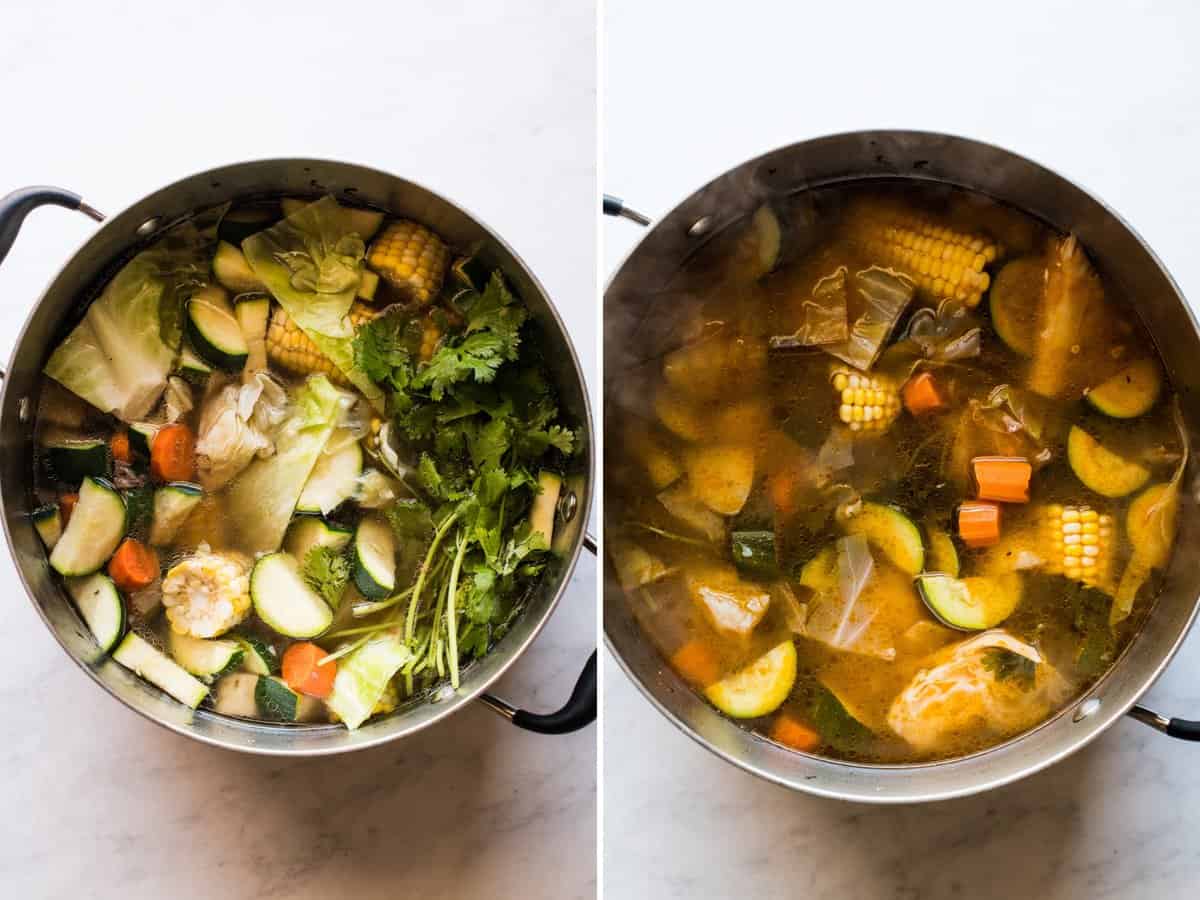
[303, 672]
[173, 453]
[921, 394]
[120, 447]
[979, 523]
[134, 565]
[66, 506]
[1003, 478]
[791, 732]
[696, 662]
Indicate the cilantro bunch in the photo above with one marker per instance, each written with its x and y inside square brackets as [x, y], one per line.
[479, 420]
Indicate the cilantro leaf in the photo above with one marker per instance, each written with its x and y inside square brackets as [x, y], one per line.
[327, 571]
[410, 518]
[1005, 665]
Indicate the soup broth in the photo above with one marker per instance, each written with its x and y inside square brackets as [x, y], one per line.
[896, 481]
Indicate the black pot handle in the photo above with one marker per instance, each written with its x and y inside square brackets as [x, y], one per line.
[20, 203]
[1184, 729]
[578, 712]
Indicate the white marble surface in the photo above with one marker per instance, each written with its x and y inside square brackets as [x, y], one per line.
[1109, 94]
[494, 105]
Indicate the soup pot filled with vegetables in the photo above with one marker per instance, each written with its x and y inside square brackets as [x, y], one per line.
[296, 457]
[898, 474]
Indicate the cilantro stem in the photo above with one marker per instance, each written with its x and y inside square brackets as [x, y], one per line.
[361, 610]
[364, 629]
[414, 604]
[669, 535]
[349, 648]
[452, 611]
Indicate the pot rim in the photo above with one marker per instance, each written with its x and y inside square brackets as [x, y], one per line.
[459, 700]
[1100, 721]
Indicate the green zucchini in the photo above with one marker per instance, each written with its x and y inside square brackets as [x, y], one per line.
[891, 532]
[942, 556]
[47, 520]
[1131, 392]
[257, 656]
[173, 503]
[1013, 302]
[235, 695]
[206, 659]
[93, 532]
[1100, 469]
[139, 510]
[69, 461]
[374, 558]
[141, 437]
[100, 604]
[754, 553]
[284, 601]
[307, 532]
[970, 604]
[275, 700]
[253, 312]
[242, 221]
[144, 660]
[213, 330]
[232, 270]
[759, 688]
[192, 367]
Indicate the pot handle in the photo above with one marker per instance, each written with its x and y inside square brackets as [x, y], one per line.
[615, 206]
[578, 712]
[1184, 729]
[16, 206]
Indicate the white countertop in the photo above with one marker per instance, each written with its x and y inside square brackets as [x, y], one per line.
[497, 111]
[1111, 100]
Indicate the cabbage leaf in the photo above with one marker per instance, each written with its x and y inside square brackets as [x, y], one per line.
[363, 676]
[312, 265]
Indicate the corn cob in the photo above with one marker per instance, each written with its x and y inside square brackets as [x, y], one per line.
[945, 263]
[865, 402]
[410, 258]
[291, 349]
[1077, 542]
[207, 594]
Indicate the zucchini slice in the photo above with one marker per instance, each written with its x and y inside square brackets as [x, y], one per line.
[545, 505]
[70, 461]
[192, 367]
[206, 659]
[141, 437]
[213, 330]
[93, 531]
[759, 688]
[333, 480]
[1014, 300]
[1100, 469]
[892, 532]
[252, 312]
[275, 700]
[100, 604]
[754, 553]
[374, 558]
[144, 660]
[1131, 392]
[235, 695]
[232, 270]
[257, 657]
[48, 522]
[173, 503]
[307, 532]
[943, 555]
[284, 601]
[971, 604]
[242, 221]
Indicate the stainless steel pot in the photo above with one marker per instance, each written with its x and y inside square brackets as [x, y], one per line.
[82, 276]
[630, 301]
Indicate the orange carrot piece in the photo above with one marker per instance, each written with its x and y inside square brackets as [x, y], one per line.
[782, 487]
[793, 733]
[921, 394]
[66, 506]
[979, 523]
[696, 662]
[134, 565]
[1003, 478]
[120, 447]
[303, 672]
[173, 453]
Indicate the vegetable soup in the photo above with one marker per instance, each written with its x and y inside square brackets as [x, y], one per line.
[899, 473]
[300, 462]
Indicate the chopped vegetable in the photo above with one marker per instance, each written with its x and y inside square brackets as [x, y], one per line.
[326, 570]
[48, 522]
[205, 659]
[732, 605]
[679, 414]
[410, 258]
[1078, 542]
[921, 394]
[67, 503]
[681, 503]
[754, 553]
[661, 465]
[877, 300]
[720, 475]
[93, 529]
[213, 330]
[890, 530]
[172, 504]
[636, 567]
[1014, 300]
[290, 348]
[835, 724]
[206, 594]
[866, 403]
[1130, 393]
[284, 600]
[1101, 469]
[791, 732]
[303, 671]
[102, 609]
[173, 453]
[1002, 478]
[759, 688]
[942, 556]
[119, 444]
[238, 422]
[69, 461]
[696, 662]
[148, 662]
[703, 368]
[134, 566]
[363, 676]
[822, 317]
[232, 270]
[1073, 293]
[979, 523]
[971, 604]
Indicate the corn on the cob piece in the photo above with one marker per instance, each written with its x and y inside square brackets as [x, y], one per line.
[410, 258]
[945, 263]
[207, 594]
[1078, 541]
[431, 337]
[865, 402]
[291, 349]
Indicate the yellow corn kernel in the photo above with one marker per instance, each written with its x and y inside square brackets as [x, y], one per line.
[865, 402]
[1078, 542]
[410, 258]
[291, 349]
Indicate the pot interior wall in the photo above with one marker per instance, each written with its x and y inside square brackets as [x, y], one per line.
[637, 297]
[64, 302]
